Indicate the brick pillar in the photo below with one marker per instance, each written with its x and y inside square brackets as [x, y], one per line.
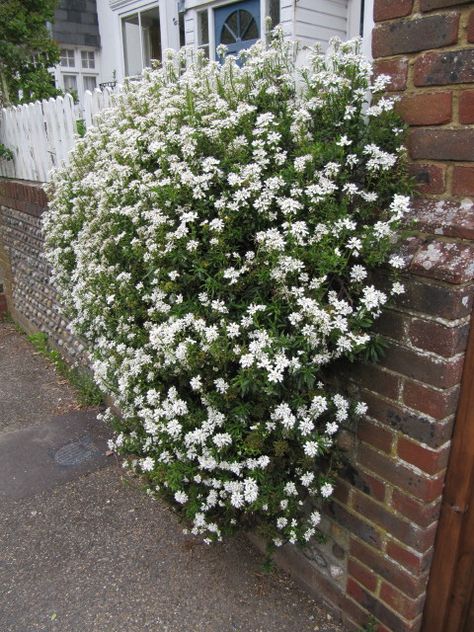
[393, 489]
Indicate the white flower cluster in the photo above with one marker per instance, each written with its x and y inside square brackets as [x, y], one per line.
[213, 241]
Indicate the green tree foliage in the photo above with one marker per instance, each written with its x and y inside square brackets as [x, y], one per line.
[27, 51]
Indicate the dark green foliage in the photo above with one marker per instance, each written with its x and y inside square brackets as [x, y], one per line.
[27, 51]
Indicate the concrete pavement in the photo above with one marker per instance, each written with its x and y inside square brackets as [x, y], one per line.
[83, 549]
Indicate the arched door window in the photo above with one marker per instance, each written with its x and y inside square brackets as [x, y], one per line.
[237, 25]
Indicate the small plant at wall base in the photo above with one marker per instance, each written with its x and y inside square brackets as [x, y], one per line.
[87, 391]
[212, 241]
[5, 153]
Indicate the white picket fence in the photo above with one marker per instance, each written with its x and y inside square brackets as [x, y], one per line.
[40, 135]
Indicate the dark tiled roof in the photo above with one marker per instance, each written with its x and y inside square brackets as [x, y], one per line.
[76, 23]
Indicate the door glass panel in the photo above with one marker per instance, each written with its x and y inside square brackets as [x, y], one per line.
[182, 29]
[240, 25]
[151, 34]
[232, 22]
[203, 28]
[237, 25]
[245, 20]
[131, 45]
[248, 26]
[228, 36]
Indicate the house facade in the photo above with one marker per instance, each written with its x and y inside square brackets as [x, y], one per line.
[76, 30]
[104, 41]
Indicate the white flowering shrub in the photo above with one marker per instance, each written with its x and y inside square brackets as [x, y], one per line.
[212, 241]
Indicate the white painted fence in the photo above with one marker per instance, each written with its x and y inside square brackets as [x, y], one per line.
[40, 135]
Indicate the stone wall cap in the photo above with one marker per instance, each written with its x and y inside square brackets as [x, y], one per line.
[450, 217]
[452, 262]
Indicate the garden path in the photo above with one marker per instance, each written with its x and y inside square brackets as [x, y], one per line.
[82, 549]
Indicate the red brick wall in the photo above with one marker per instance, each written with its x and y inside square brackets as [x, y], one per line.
[402, 448]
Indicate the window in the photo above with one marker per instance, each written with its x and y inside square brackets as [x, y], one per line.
[182, 29]
[151, 35]
[361, 23]
[239, 27]
[87, 59]
[132, 45]
[273, 11]
[90, 83]
[141, 34]
[70, 83]
[67, 58]
[203, 31]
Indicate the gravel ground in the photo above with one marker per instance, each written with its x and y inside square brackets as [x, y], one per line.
[92, 553]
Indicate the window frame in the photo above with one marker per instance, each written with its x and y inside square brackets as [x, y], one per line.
[67, 56]
[76, 76]
[137, 8]
[88, 76]
[87, 53]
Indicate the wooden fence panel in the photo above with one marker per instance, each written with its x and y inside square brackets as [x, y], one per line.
[95, 102]
[41, 134]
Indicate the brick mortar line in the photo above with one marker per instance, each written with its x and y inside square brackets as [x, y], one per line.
[458, 322]
[440, 283]
[383, 554]
[417, 14]
[401, 435]
[450, 324]
[411, 56]
[406, 408]
[394, 457]
[419, 350]
[439, 359]
[377, 595]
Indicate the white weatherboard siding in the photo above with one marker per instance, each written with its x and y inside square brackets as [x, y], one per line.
[287, 16]
[319, 20]
[110, 35]
[309, 21]
[190, 35]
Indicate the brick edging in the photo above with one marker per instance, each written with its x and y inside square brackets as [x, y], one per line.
[23, 195]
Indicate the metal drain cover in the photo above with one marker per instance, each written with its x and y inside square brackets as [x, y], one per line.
[76, 452]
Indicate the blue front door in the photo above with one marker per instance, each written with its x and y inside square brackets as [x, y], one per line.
[237, 25]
